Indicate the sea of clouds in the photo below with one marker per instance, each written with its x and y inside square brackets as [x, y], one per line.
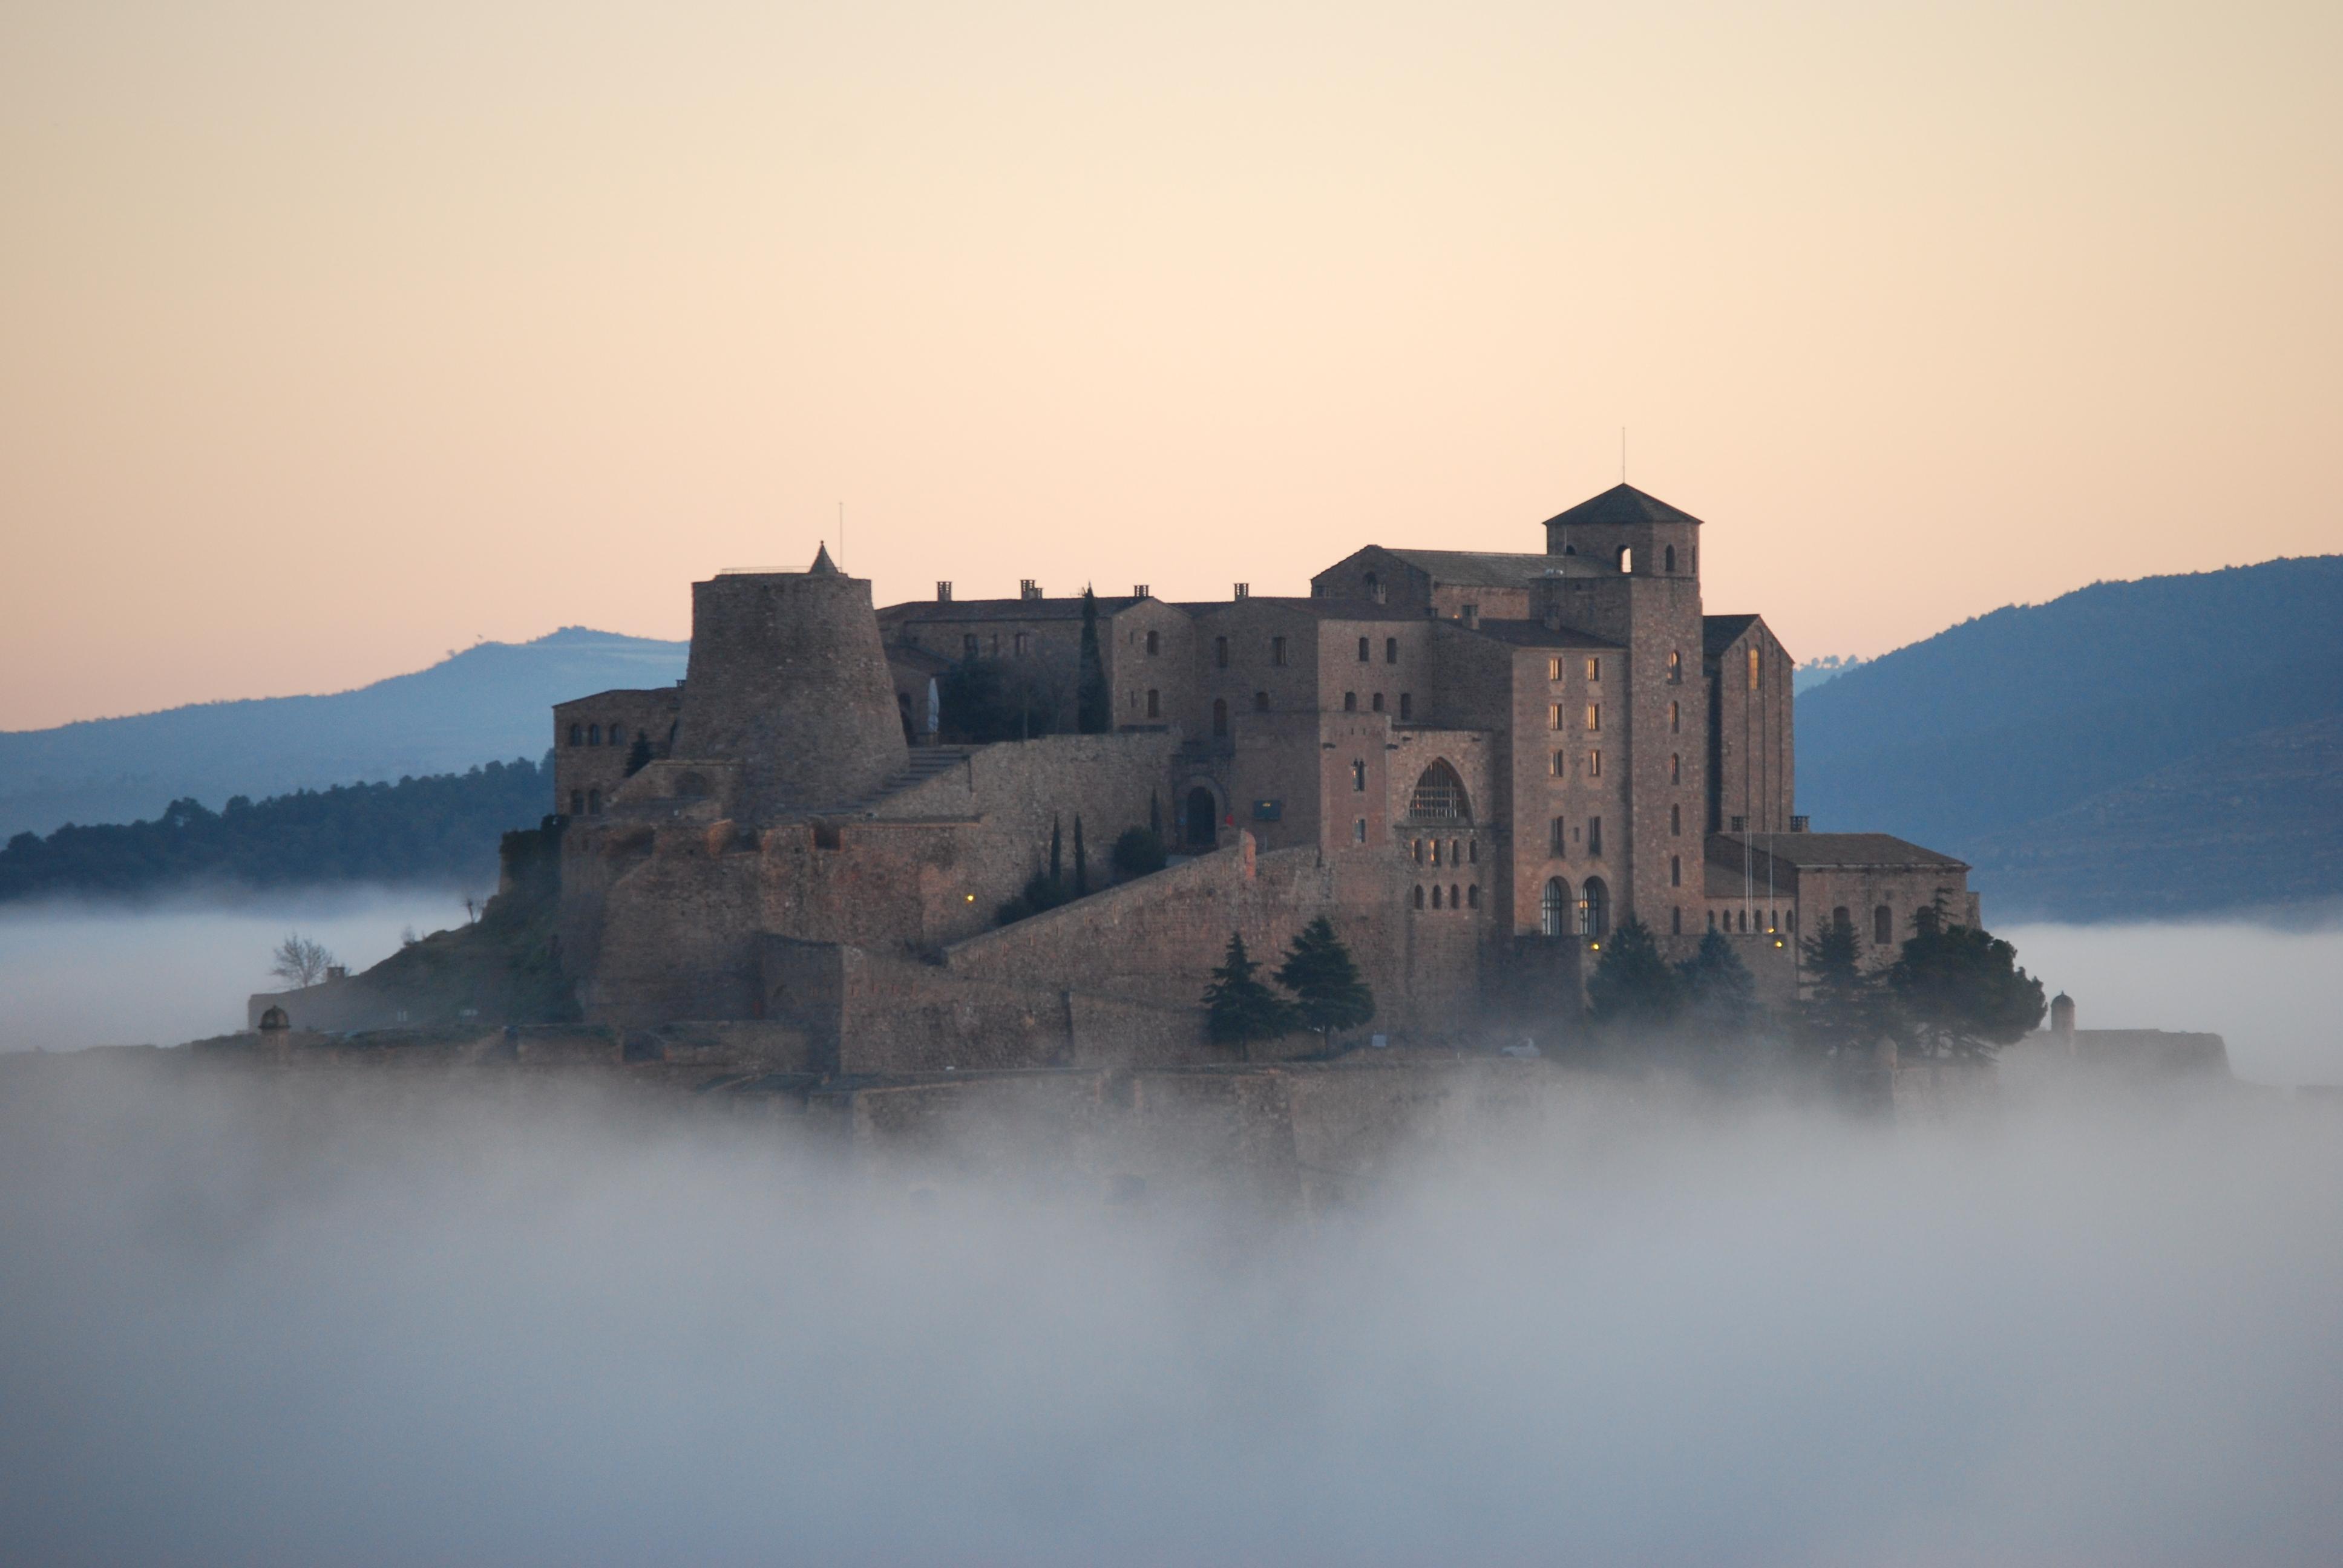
[296, 1319]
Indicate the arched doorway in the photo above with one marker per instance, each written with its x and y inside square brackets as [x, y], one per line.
[1203, 820]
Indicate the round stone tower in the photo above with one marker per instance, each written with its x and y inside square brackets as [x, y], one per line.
[787, 676]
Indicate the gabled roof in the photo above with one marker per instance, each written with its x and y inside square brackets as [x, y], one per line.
[1536, 634]
[1491, 569]
[1621, 504]
[1719, 633]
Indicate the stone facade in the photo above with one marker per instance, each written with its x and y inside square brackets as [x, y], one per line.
[1476, 765]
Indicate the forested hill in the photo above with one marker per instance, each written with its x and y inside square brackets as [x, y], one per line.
[491, 701]
[440, 830]
[1975, 739]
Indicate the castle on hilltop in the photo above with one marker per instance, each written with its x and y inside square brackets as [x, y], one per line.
[1475, 765]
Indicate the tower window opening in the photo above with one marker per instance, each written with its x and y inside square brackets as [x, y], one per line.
[1676, 668]
[1419, 894]
[1676, 821]
[1350, 702]
[1594, 835]
[1668, 560]
[1473, 895]
[1359, 777]
[1436, 895]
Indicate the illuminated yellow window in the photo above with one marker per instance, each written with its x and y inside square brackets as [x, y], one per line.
[1595, 765]
[1554, 717]
[1753, 668]
[1561, 763]
[1594, 715]
[1554, 670]
[1593, 668]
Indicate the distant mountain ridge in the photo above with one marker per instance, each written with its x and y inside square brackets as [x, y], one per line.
[493, 700]
[2027, 740]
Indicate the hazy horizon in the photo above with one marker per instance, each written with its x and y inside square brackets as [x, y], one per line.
[340, 338]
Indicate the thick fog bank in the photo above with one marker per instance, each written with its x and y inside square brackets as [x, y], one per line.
[158, 972]
[269, 1321]
[2275, 992]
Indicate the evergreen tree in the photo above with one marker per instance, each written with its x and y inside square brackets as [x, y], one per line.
[1962, 990]
[1241, 1009]
[1720, 993]
[1093, 704]
[638, 755]
[1139, 851]
[1319, 971]
[1844, 1009]
[1154, 817]
[1633, 987]
[1056, 851]
[1082, 862]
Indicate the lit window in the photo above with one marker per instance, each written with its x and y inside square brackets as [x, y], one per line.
[1593, 668]
[1560, 764]
[1675, 718]
[1676, 668]
[1594, 715]
[1675, 769]
[1359, 777]
[1552, 907]
[1595, 765]
[1435, 852]
[1554, 716]
[1554, 670]
[1753, 667]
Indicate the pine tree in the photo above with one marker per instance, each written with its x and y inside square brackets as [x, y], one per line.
[1093, 704]
[1633, 987]
[639, 756]
[1720, 993]
[1241, 1009]
[1961, 991]
[1082, 862]
[1319, 971]
[1844, 1009]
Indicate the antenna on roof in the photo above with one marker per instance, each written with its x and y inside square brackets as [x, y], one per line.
[1623, 457]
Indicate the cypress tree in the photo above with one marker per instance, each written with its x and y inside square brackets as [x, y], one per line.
[1093, 704]
[1320, 972]
[1844, 1009]
[1056, 851]
[1081, 861]
[1239, 1009]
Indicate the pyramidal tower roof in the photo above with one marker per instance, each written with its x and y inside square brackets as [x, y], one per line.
[1621, 504]
[823, 564]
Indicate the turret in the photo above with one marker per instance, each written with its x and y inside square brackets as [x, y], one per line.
[789, 678]
[1630, 531]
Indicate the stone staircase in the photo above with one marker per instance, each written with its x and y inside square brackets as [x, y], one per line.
[927, 762]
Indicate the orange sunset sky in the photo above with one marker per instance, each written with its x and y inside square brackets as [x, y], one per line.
[335, 336]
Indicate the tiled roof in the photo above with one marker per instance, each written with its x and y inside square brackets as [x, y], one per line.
[1490, 568]
[1537, 634]
[1719, 633]
[1828, 851]
[1324, 608]
[1621, 504]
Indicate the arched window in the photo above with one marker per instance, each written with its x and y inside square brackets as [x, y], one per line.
[1379, 702]
[1594, 909]
[1260, 702]
[1676, 668]
[618, 733]
[1435, 852]
[1366, 650]
[1883, 926]
[1472, 850]
[1418, 847]
[1473, 895]
[577, 735]
[1626, 558]
[578, 803]
[1419, 894]
[1439, 796]
[1350, 702]
[1155, 643]
[1675, 922]
[1676, 870]
[1455, 853]
[1436, 895]
[1668, 560]
[1675, 769]
[1675, 718]
[1553, 909]
[1359, 777]
[1375, 586]
[1753, 667]
[1676, 821]
[1390, 650]
[1220, 716]
[1454, 902]
[593, 735]
[1841, 918]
